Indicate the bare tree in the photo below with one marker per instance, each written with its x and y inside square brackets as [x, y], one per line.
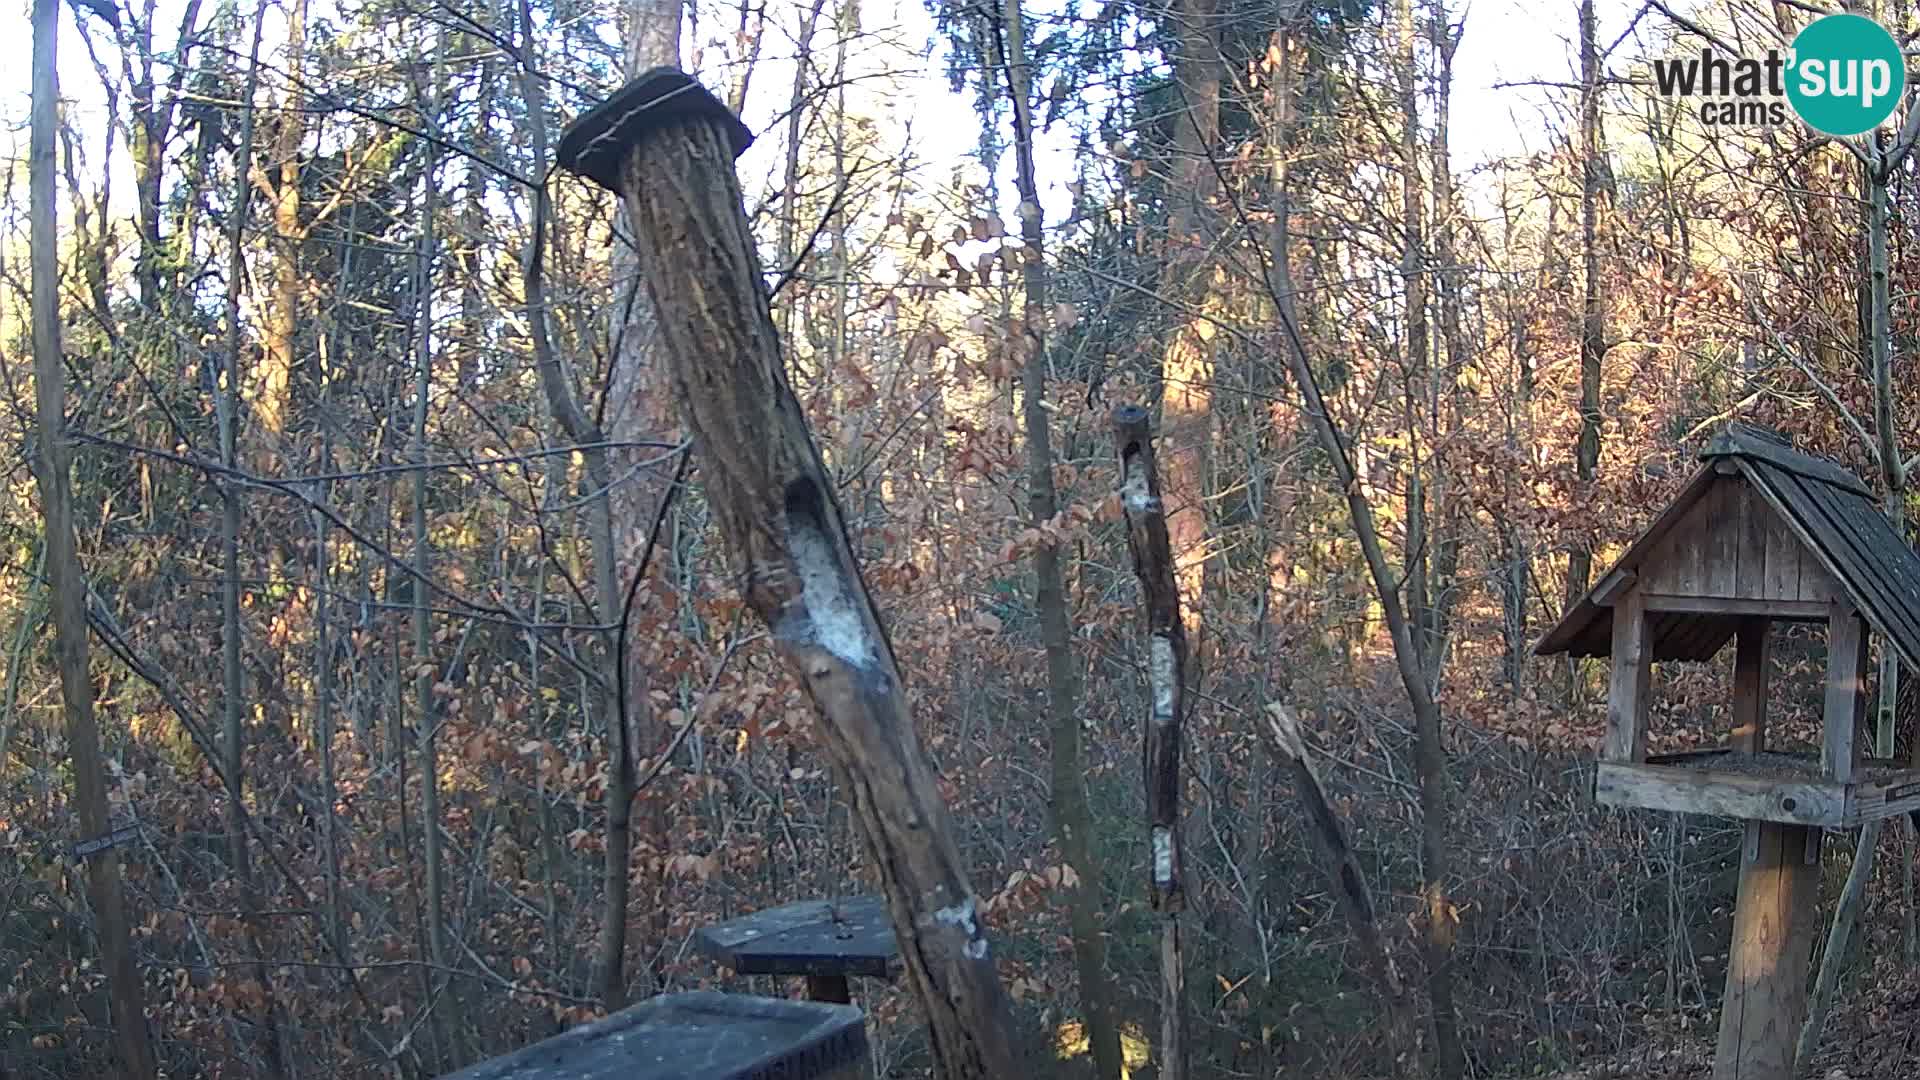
[54, 474]
[1072, 820]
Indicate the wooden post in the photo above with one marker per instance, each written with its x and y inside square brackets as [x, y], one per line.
[1166, 680]
[1846, 667]
[667, 146]
[1773, 924]
[1628, 688]
[1751, 658]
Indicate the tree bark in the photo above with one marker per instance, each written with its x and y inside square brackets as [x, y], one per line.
[233, 683]
[1586, 451]
[446, 1004]
[54, 476]
[1072, 819]
[1415, 368]
[1187, 367]
[637, 410]
[1150, 542]
[775, 506]
[1847, 909]
[626, 700]
[276, 374]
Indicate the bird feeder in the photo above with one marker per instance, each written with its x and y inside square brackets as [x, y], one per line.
[697, 1036]
[1761, 534]
[824, 940]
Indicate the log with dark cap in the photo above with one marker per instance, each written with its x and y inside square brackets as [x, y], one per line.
[667, 146]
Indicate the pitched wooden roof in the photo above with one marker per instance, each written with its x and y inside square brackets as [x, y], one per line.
[1832, 512]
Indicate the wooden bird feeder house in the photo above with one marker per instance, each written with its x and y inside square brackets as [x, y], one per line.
[1761, 534]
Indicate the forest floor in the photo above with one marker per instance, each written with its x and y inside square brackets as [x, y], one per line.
[1872, 1035]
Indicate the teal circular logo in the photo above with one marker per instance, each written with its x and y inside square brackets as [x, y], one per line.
[1846, 75]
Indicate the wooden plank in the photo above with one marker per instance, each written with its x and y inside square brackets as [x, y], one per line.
[1872, 802]
[1755, 519]
[1751, 665]
[1807, 610]
[1628, 687]
[1609, 588]
[1719, 539]
[1721, 794]
[1783, 558]
[704, 1034]
[850, 935]
[1816, 585]
[1846, 661]
[1773, 926]
[1685, 554]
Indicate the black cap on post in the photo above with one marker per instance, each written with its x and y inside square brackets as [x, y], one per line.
[595, 145]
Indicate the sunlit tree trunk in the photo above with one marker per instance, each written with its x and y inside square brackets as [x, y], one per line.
[638, 409]
[54, 475]
[277, 361]
[1187, 365]
[1072, 820]
[1586, 450]
[1415, 359]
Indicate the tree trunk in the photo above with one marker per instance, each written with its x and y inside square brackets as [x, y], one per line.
[233, 686]
[55, 479]
[1072, 820]
[1430, 755]
[775, 507]
[1586, 451]
[446, 1005]
[1187, 367]
[626, 699]
[1150, 543]
[1445, 532]
[277, 357]
[1415, 357]
[637, 410]
[1847, 909]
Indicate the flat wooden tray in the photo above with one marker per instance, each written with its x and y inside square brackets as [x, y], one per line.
[1772, 786]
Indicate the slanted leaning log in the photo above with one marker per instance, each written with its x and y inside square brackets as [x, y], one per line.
[667, 146]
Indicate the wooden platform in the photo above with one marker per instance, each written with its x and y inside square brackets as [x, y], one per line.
[1787, 788]
[847, 936]
[697, 1036]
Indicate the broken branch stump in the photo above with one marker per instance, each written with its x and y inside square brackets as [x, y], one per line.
[667, 146]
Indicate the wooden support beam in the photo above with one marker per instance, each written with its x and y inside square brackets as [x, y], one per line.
[1803, 610]
[1751, 658]
[1773, 925]
[1846, 670]
[667, 146]
[1632, 674]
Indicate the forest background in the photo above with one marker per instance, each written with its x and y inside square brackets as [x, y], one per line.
[439, 718]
